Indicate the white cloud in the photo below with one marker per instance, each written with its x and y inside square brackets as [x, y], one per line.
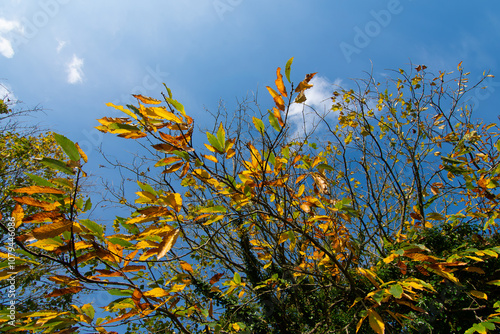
[74, 69]
[6, 94]
[6, 27]
[317, 106]
[60, 45]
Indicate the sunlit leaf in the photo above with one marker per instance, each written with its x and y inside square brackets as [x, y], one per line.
[167, 243]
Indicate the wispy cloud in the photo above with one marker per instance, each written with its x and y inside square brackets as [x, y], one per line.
[6, 27]
[60, 46]
[74, 69]
[307, 116]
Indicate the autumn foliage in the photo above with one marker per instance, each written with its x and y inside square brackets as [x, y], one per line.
[381, 216]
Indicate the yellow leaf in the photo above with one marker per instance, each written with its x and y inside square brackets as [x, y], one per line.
[163, 113]
[174, 200]
[279, 83]
[121, 108]
[479, 294]
[82, 154]
[156, 292]
[210, 157]
[376, 322]
[360, 322]
[167, 243]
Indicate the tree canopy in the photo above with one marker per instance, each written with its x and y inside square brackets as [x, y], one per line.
[379, 215]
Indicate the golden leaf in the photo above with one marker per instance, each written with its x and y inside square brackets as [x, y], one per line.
[167, 243]
[34, 202]
[82, 154]
[156, 292]
[479, 294]
[52, 230]
[18, 215]
[210, 157]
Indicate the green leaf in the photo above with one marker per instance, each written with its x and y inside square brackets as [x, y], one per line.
[40, 181]
[214, 142]
[120, 292]
[68, 147]
[57, 164]
[378, 296]
[121, 242]
[259, 125]
[88, 205]
[168, 91]
[176, 104]
[147, 188]
[221, 136]
[237, 278]
[89, 310]
[396, 290]
[93, 227]
[325, 166]
[181, 154]
[288, 67]
[274, 122]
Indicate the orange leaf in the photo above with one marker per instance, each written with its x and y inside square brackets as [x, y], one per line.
[279, 82]
[304, 84]
[136, 297]
[186, 266]
[38, 190]
[34, 202]
[277, 98]
[133, 268]
[65, 291]
[216, 278]
[122, 317]
[147, 100]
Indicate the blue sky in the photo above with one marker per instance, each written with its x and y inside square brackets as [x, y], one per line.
[71, 57]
